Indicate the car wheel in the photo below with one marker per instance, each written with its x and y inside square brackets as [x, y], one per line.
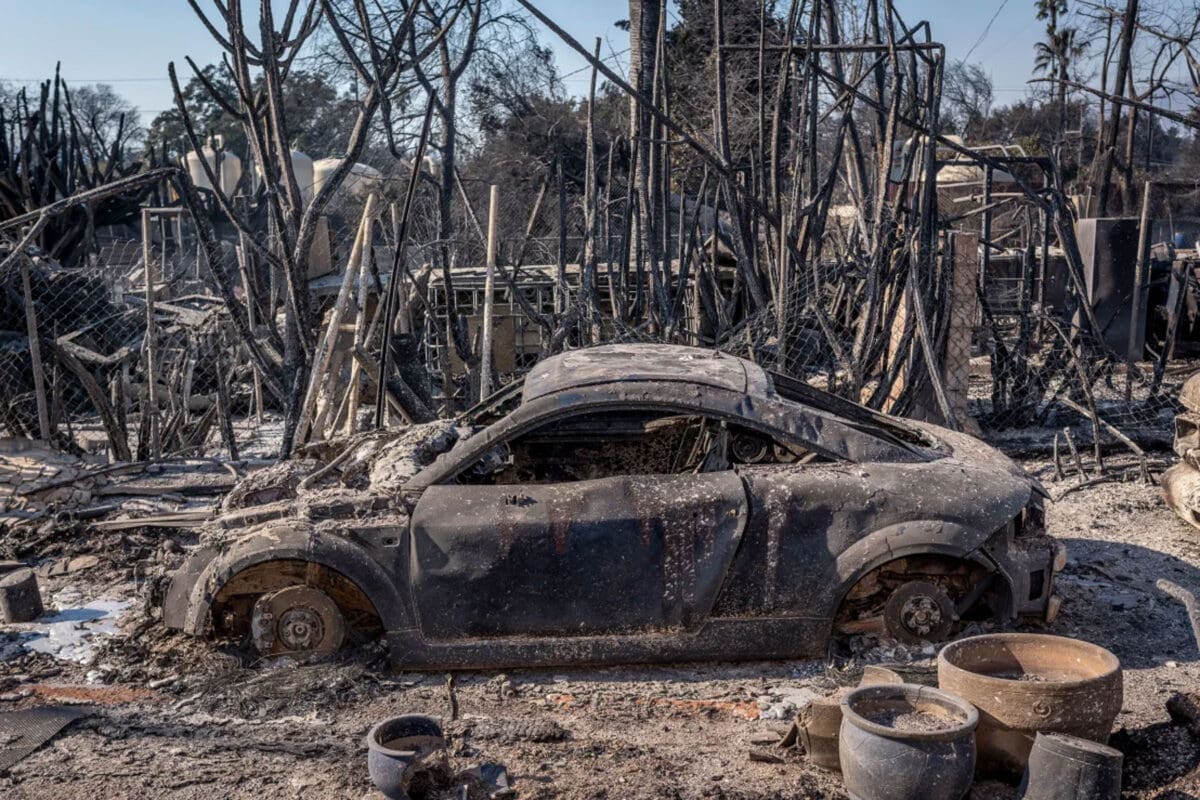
[297, 620]
[919, 611]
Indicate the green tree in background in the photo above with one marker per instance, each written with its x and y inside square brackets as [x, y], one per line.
[1053, 56]
[321, 116]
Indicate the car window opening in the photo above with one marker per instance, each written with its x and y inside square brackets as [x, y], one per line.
[867, 420]
[608, 444]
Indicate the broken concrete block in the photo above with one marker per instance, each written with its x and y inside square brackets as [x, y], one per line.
[783, 703]
[19, 597]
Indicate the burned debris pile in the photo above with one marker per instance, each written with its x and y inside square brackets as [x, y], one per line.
[906, 270]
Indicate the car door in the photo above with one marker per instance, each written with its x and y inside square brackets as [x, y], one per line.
[616, 554]
[801, 519]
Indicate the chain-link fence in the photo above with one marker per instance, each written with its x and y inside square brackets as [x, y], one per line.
[990, 339]
[86, 379]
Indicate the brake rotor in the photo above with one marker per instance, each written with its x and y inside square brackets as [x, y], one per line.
[749, 449]
[297, 619]
[919, 611]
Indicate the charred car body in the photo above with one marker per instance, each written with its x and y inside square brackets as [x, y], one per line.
[644, 503]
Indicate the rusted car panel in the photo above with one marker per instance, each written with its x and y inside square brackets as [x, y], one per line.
[616, 555]
[190, 596]
[658, 512]
[717, 640]
[816, 531]
[635, 363]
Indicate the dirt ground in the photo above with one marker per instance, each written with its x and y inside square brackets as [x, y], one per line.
[179, 718]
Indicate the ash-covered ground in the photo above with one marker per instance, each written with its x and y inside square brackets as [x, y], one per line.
[176, 717]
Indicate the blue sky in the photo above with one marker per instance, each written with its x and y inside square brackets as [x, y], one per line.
[128, 43]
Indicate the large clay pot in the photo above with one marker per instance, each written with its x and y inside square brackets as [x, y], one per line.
[885, 762]
[395, 745]
[1023, 683]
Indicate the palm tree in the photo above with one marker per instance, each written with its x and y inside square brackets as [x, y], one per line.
[1054, 56]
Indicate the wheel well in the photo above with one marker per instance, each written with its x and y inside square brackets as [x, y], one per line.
[232, 605]
[863, 602]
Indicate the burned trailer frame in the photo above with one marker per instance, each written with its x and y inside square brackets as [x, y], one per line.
[743, 561]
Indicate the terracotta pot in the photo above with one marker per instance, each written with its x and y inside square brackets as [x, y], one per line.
[1025, 683]
[819, 724]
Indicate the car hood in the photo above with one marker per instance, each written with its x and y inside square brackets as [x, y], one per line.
[966, 447]
[972, 455]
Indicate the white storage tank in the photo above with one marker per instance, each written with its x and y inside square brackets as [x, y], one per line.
[362, 180]
[226, 166]
[431, 164]
[302, 168]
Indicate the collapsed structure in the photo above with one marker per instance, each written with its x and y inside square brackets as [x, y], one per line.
[911, 271]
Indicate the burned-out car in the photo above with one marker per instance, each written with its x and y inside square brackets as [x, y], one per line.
[645, 503]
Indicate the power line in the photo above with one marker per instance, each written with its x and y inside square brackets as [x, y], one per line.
[586, 67]
[87, 80]
[613, 56]
[986, 31]
[1006, 42]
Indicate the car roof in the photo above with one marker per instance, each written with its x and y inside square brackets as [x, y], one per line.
[620, 363]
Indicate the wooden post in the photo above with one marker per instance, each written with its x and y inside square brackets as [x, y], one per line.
[1133, 353]
[964, 307]
[489, 290]
[252, 318]
[224, 410]
[985, 268]
[360, 325]
[1044, 266]
[402, 314]
[189, 372]
[150, 409]
[35, 352]
[327, 398]
[321, 357]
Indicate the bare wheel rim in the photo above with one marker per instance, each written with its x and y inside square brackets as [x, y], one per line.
[297, 619]
[919, 611]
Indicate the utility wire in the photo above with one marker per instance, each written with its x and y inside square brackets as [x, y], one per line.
[986, 31]
[86, 80]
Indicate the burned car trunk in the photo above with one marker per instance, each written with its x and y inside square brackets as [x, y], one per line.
[652, 502]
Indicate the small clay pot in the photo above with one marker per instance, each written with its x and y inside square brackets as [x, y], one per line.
[882, 762]
[1063, 767]
[394, 745]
